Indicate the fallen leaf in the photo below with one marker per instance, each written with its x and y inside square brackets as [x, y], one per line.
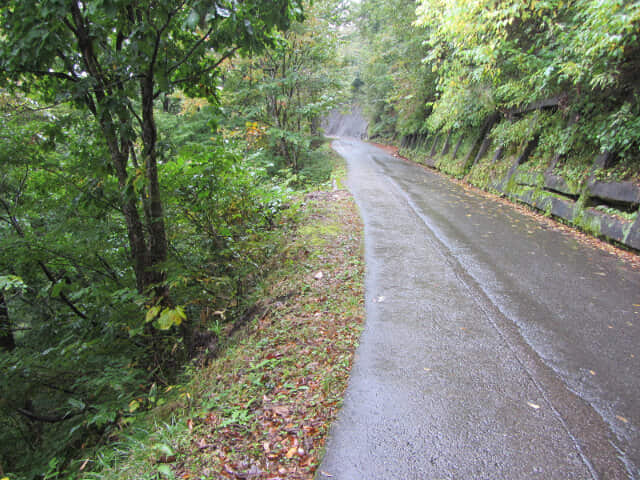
[190, 425]
[292, 451]
[622, 419]
[280, 410]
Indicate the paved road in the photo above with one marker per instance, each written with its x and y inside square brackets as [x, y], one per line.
[494, 348]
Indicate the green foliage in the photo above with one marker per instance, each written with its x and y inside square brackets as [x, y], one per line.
[517, 133]
[398, 88]
[114, 60]
[278, 98]
[122, 228]
[478, 57]
[227, 402]
[486, 174]
[84, 355]
[226, 212]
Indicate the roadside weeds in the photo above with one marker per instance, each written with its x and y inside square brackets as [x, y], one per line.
[263, 408]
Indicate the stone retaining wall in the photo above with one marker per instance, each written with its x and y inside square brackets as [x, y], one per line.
[608, 209]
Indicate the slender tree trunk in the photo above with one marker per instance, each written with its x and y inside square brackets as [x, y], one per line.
[156, 226]
[7, 342]
[315, 125]
[146, 256]
[135, 228]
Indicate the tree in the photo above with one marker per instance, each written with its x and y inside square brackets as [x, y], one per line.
[286, 89]
[93, 208]
[398, 86]
[498, 56]
[115, 58]
[451, 66]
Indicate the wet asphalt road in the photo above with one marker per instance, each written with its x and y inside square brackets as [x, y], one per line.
[494, 348]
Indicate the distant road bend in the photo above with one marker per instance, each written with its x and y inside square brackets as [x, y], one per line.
[494, 348]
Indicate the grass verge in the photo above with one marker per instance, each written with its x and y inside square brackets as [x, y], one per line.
[263, 407]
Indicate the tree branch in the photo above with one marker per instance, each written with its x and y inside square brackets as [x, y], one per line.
[134, 113]
[43, 267]
[60, 75]
[45, 418]
[159, 33]
[190, 52]
[207, 70]
[111, 273]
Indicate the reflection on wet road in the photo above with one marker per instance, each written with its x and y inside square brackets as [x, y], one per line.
[495, 348]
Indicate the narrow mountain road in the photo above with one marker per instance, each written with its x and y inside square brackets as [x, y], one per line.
[494, 348]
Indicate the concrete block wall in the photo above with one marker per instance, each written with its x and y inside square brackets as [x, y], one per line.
[546, 191]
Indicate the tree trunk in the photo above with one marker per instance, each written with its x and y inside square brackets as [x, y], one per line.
[315, 125]
[135, 229]
[146, 256]
[155, 227]
[7, 342]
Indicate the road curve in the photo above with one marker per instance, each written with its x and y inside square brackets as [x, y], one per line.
[494, 347]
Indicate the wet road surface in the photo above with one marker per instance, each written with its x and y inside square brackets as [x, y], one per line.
[494, 348]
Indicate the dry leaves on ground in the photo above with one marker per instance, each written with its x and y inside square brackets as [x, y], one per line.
[277, 392]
